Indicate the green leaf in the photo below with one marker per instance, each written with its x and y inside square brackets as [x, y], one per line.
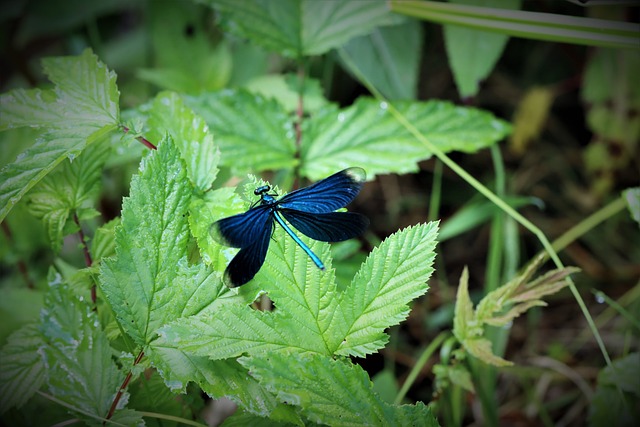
[389, 58]
[473, 53]
[253, 133]
[204, 210]
[299, 28]
[333, 392]
[191, 135]
[615, 402]
[218, 378]
[103, 243]
[149, 244]
[18, 307]
[81, 109]
[23, 369]
[286, 89]
[187, 60]
[393, 275]
[632, 197]
[77, 355]
[367, 135]
[464, 324]
[72, 188]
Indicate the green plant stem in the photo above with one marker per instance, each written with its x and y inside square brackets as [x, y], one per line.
[478, 186]
[179, 420]
[620, 309]
[531, 25]
[422, 360]
[76, 409]
[436, 192]
[587, 224]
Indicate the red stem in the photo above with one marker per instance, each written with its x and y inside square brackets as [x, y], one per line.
[143, 140]
[122, 389]
[87, 255]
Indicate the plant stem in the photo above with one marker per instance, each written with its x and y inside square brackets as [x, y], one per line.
[123, 387]
[142, 139]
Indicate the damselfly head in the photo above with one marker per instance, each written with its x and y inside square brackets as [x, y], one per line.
[261, 190]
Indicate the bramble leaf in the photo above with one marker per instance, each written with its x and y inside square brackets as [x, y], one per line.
[394, 274]
[332, 392]
[81, 109]
[297, 28]
[367, 135]
[72, 188]
[149, 244]
[190, 134]
[253, 133]
[80, 370]
[23, 369]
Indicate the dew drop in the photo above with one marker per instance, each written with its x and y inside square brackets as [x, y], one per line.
[384, 105]
[341, 117]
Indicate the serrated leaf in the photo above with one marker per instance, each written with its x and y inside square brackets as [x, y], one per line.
[253, 133]
[389, 58]
[393, 275]
[103, 243]
[481, 348]
[80, 369]
[149, 244]
[191, 135]
[367, 135]
[72, 188]
[464, 323]
[299, 28]
[615, 401]
[333, 392]
[204, 210]
[285, 88]
[218, 378]
[473, 53]
[81, 109]
[23, 369]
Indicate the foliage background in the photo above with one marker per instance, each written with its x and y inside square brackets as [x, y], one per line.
[560, 157]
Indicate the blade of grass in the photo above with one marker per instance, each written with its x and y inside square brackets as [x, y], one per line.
[531, 25]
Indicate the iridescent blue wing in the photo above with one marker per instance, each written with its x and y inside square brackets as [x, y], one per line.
[248, 261]
[242, 230]
[327, 195]
[327, 227]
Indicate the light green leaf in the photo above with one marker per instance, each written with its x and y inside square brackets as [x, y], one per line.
[332, 392]
[82, 108]
[632, 197]
[367, 135]
[103, 243]
[23, 369]
[464, 324]
[393, 275]
[204, 210]
[80, 369]
[218, 378]
[615, 401]
[191, 135]
[299, 28]
[253, 133]
[286, 89]
[473, 53]
[389, 58]
[72, 188]
[187, 59]
[149, 244]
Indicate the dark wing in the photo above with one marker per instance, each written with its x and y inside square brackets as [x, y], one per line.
[248, 261]
[327, 227]
[242, 230]
[326, 195]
